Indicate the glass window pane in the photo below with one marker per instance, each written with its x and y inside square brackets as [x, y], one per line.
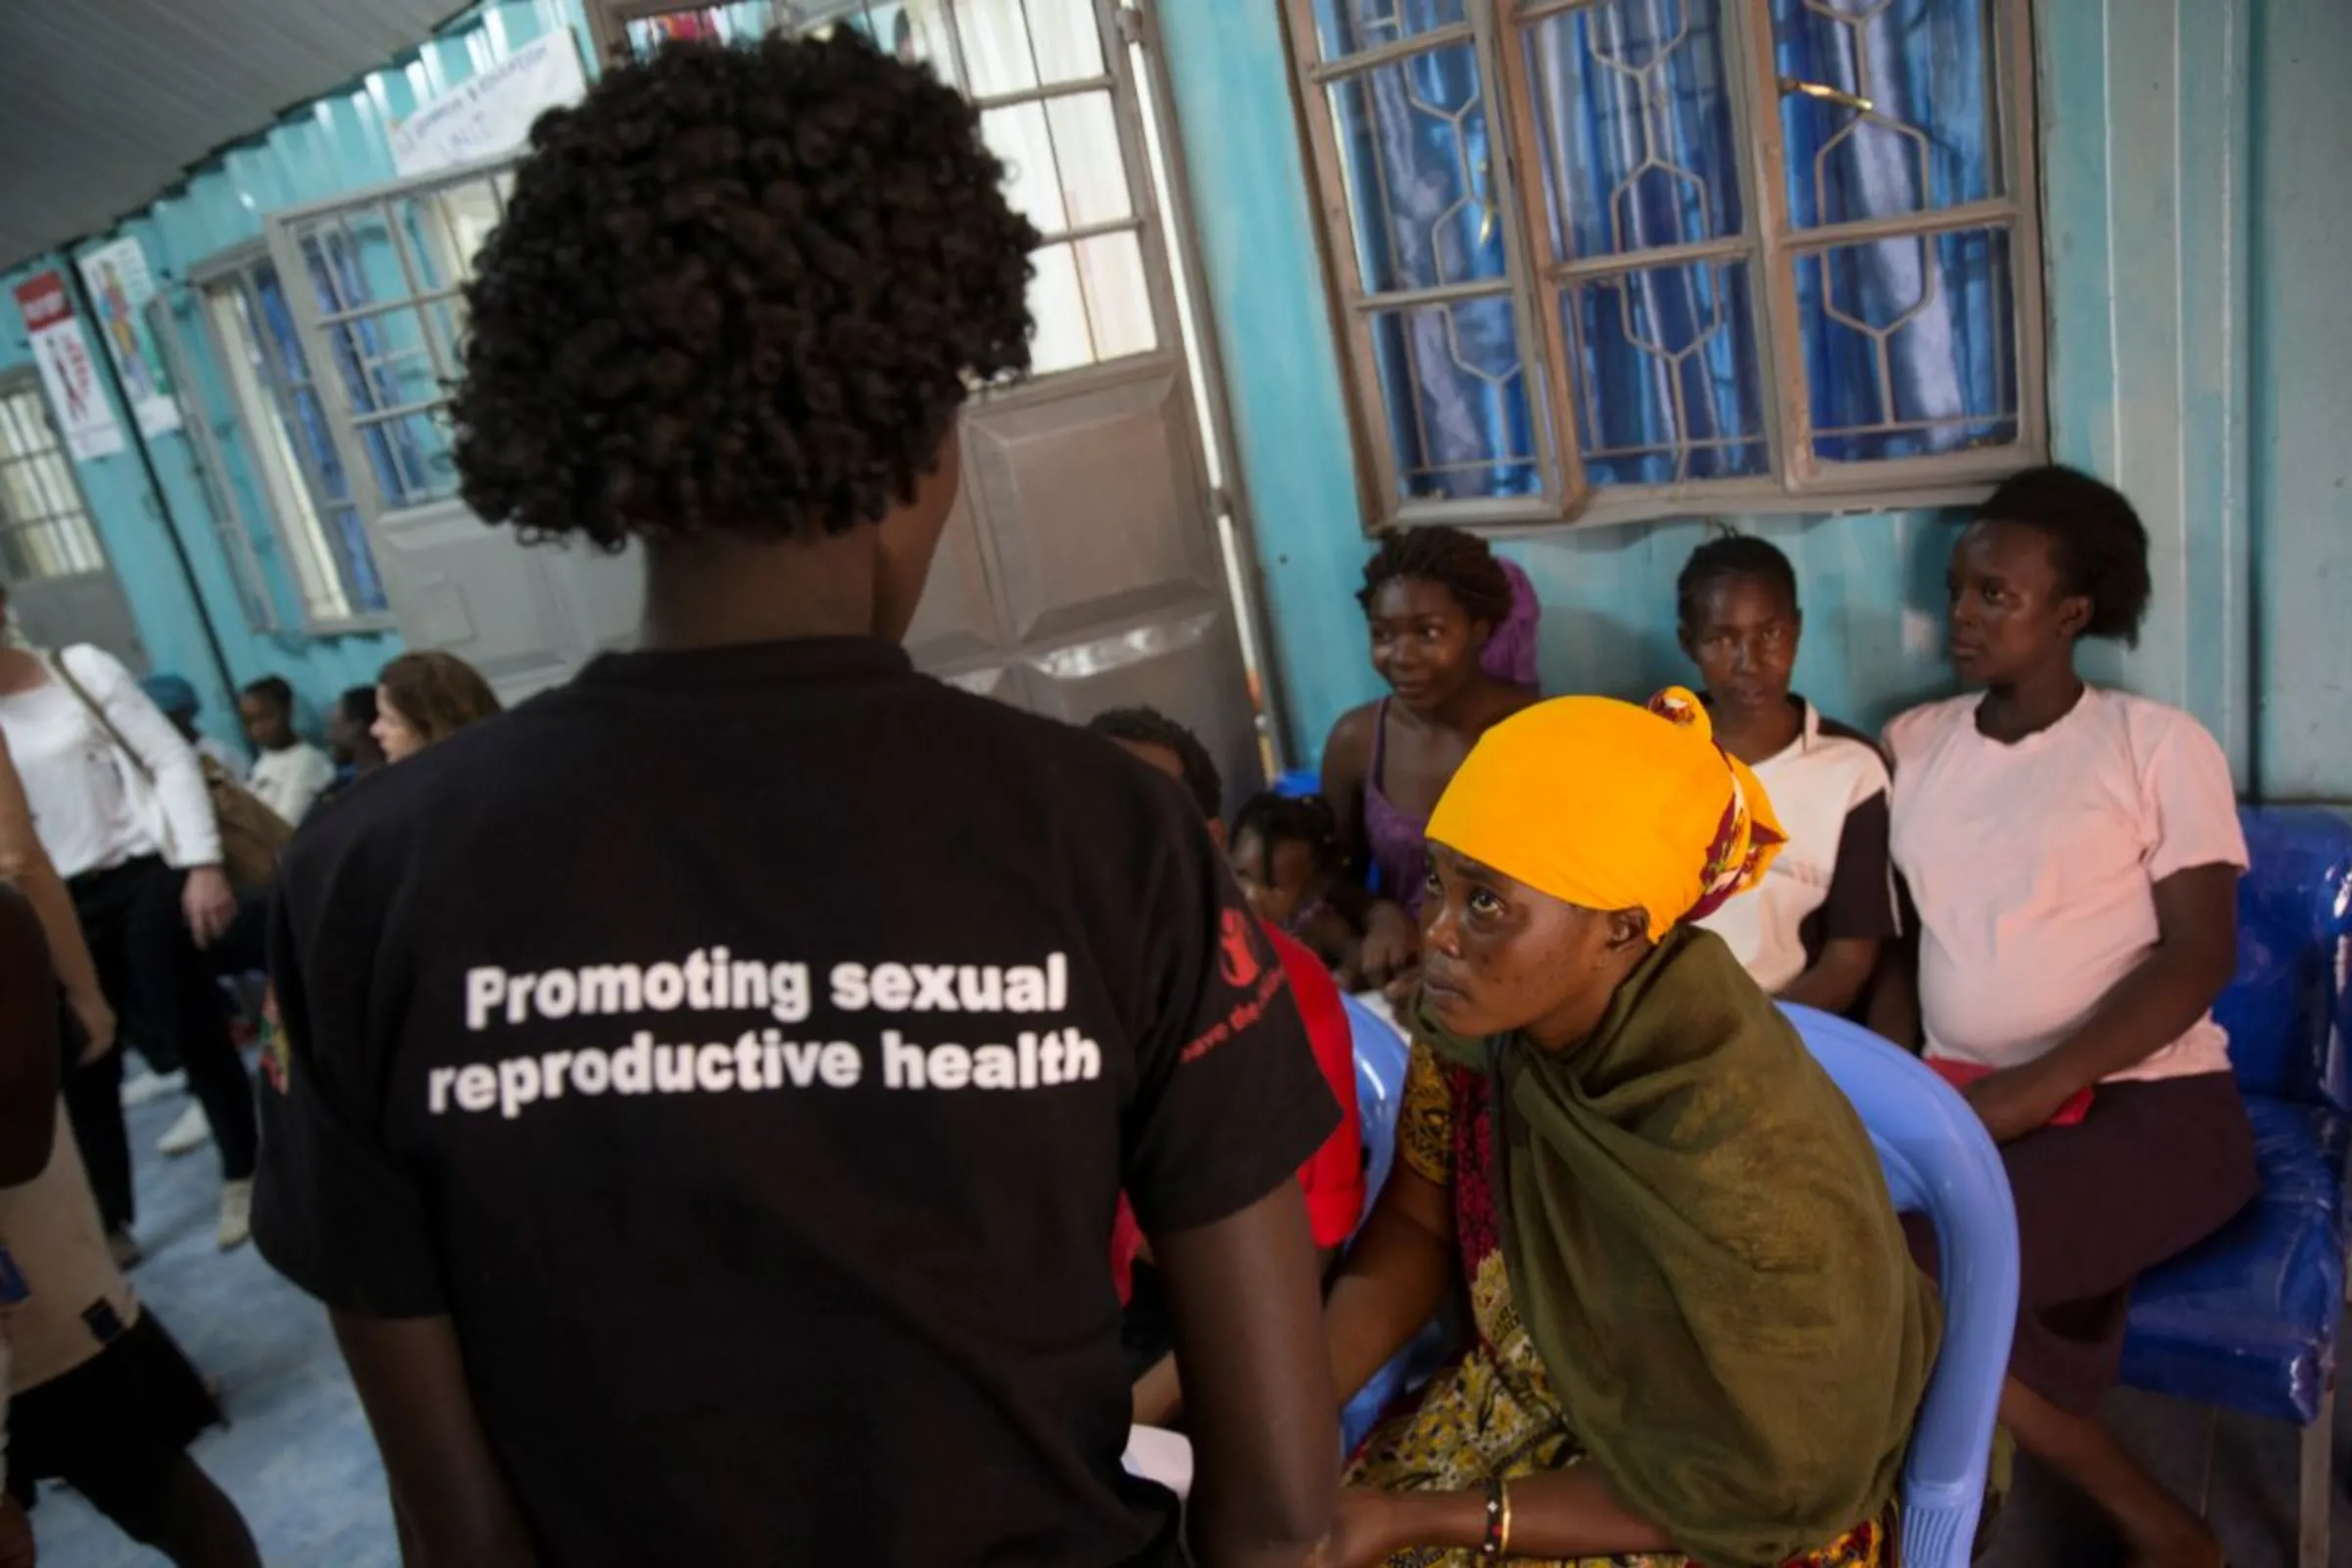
[18, 502]
[1118, 303]
[1351, 26]
[1417, 164]
[1634, 113]
[1068, 44]
[1668, 386]
[1094, 167]
[1910, 345]
[1061, 340]
[994, 35]
[1020, 136]
[1450, 377]
[1931, 137]
[14, 561]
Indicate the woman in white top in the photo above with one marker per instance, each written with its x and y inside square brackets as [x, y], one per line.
[2073, 854]
[130, 825]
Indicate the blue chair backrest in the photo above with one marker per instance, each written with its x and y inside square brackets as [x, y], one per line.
[2289, 1017]
[1380, 1057]
[1939, 1162]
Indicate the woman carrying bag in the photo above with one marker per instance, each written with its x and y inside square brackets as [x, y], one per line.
[122, 807]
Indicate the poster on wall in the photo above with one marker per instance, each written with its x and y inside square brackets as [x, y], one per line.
[69, 375]
[491, 112]
[120, 286]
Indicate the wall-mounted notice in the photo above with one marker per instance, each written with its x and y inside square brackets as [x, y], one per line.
[69, 375]
[491, 112]
[119, 287]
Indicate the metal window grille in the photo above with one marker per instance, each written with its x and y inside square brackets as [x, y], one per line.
[1629, 259]
[45, 528]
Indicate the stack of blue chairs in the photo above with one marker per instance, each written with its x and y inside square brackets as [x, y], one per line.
[2247, 1321]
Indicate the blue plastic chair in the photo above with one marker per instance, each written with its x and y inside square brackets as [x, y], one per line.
[1380, 1059]
[1939, 1162]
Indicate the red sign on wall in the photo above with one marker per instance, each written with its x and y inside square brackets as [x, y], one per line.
[77, 400]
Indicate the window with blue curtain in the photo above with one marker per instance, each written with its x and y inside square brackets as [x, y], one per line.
[1638, 257]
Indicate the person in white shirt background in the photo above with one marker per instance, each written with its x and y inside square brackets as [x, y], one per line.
[176, 695]
[289, 774]
[120, 804]
[1812, 929]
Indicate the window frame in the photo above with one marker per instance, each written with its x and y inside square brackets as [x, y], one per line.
[1769, 244]
[13, 383]
[235, 266]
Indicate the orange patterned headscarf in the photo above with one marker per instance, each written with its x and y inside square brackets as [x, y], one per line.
[1608, 806]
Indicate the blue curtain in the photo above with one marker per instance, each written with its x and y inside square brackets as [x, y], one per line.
[1916, 333]
[1418, 161]
[392, 452]
[307, 428]
[1634, 113]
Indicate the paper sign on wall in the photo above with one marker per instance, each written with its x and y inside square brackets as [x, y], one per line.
[491, 112]
[120, 286]
[69, 375]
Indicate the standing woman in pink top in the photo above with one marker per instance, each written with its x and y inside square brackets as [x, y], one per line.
[2073, 854]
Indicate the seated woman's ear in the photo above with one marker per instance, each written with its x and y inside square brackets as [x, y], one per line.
[1628, 928]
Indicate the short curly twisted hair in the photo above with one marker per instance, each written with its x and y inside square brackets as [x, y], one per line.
[737, 290]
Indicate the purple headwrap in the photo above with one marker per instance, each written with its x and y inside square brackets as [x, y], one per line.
[1511, 652]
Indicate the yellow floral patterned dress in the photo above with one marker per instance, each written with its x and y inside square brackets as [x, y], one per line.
[1492, 1412]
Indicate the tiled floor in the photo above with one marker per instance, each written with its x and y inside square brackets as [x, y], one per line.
[297, 1459]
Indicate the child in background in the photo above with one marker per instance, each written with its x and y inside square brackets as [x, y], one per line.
[178, 699]
[290, 773]
[1285, 853]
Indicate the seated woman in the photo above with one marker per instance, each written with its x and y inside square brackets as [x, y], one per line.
[1812, 932]
[2073, 854]
[1698, 1332]
[1285, 852]
[1453, 635]
[422, 699]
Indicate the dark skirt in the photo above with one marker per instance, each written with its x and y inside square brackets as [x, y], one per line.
[114, 1427]
[2152, 1170]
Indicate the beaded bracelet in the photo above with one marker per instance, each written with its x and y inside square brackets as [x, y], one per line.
[1497, 1539]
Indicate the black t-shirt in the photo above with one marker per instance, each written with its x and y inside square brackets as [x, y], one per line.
[748, 1050]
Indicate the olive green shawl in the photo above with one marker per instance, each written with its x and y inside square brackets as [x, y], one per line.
[1700, 1243]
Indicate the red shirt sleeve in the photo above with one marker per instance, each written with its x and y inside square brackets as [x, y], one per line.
[1126, 1240]
[1334, 1178]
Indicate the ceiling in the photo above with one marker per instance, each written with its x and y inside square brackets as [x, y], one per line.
[103, 103]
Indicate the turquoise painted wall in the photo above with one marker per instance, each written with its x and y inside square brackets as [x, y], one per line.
[338, 143]
[2300, 446]
[2163, 139]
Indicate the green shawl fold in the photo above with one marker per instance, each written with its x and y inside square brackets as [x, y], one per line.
[1702, 1245]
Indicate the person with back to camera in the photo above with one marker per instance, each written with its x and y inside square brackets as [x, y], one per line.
[1812, 931]
[2073, 854]
[426, 697]
[708, 1088]
[1453, 632]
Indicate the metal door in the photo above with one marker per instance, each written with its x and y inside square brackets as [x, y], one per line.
[61, 589]
[1083, 568]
